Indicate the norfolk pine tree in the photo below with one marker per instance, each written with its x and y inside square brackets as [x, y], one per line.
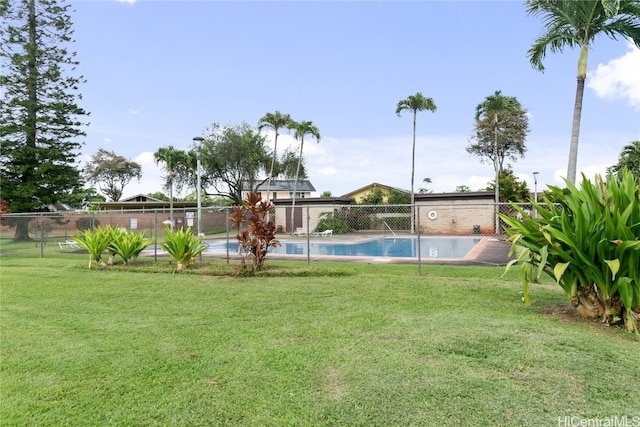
[40, 121]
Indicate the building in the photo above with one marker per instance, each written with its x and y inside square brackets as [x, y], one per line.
[360, 193]
[281, 189]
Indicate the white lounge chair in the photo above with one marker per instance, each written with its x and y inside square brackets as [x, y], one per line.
[325, 233]
[300, 232]
[69, 244]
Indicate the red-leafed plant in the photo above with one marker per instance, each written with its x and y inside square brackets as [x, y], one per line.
[256, 233]
[4, 208]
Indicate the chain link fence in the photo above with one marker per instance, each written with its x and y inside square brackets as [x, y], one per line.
[313, 221]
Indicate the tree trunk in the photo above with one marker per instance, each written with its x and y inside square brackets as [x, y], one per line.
[592, 305]
[577, 114]
[22, 230]
[295, 188]
[575, 132]
[413, 169]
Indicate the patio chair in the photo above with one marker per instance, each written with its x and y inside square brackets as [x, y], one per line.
[326, 233]
[300, 232]
[68, 244]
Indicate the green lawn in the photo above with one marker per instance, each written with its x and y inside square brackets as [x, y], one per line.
[326, 345]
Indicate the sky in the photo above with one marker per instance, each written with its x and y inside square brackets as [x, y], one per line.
[159, 73]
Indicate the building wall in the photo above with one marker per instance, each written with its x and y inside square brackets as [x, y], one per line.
[456, 217]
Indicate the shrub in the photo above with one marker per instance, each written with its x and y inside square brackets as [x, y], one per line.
[259, 234]
[95, 242]
[183, 246]
[332, 221]
[589, 241]
[127, 244]
[87, 223]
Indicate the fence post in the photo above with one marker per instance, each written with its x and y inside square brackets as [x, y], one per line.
[227, 227]
[41, 234]
[155, 236]
[308, 238]
[418, 241]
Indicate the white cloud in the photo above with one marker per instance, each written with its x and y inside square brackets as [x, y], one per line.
[619, 78]
[151, 181]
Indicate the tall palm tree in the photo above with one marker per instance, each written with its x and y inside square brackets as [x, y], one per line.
[273, 121]
[300, 130]
[490, 109]
[571, 23]
[172, 160]
[414, 103]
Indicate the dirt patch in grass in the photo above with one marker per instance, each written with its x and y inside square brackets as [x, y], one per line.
[563, 311]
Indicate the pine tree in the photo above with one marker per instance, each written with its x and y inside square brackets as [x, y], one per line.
[40, 121]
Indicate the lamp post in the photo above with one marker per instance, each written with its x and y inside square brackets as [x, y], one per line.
[198, 141]
[535, 192]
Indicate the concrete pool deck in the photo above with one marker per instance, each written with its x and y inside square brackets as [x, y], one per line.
[491, 250]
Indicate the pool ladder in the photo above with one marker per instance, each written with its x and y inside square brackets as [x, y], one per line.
[385, 223]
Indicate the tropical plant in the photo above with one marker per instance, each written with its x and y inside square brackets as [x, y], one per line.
[40, 120]
[183, 246]
[332, 221]
[589, 241]
[111, 172]
[172, 159]
[128, 245]
[95, 242]
[571, 23]
[259, 234]
[629, 159]
[274, 121]
[300, 129]
[425, 189]
[511, 188]
[414, 103]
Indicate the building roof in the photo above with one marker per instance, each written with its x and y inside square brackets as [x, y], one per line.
[141, 201]
[282, 185]
[456, 195]
[373, 185]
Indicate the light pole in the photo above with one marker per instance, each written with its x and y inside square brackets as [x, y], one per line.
[535, 192]
[198, 141]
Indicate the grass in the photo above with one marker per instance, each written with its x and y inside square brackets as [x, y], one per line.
[331, 344]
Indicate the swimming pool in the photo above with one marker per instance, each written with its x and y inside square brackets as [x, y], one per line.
[401, 247]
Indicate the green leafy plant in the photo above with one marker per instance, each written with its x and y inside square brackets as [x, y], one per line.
[259, 234]
[332, 221]
[588, 240]
[95, 242]
[127, 245]
[183, 246]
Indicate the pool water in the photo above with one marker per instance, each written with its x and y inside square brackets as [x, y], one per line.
[402, 247]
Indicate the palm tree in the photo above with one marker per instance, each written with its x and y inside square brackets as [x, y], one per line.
[300, 130]
[415, 103]
[629, 159]
[172, 160]
[491, 108]
[273, 121]
[570, 23]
